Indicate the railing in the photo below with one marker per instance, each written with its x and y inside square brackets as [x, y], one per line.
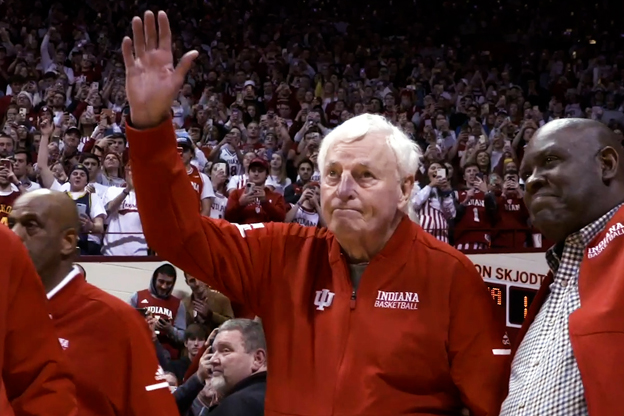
[489, 250]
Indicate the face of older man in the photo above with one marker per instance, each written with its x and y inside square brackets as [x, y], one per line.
[361, 192]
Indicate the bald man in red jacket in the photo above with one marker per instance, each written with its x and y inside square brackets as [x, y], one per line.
[107, 342]
[35, 377]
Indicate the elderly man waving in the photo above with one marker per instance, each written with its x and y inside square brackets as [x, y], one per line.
[370, 316]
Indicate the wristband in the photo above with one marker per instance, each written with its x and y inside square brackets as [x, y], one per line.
[126, 192]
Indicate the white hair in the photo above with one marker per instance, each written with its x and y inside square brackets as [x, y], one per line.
[407, 152]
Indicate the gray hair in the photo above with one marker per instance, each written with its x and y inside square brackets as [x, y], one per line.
[251, 331]
[407, 152]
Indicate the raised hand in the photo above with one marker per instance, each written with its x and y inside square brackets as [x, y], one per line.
[152, 82]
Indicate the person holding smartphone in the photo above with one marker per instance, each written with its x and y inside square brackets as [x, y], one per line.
[434, 203]
[219, 178]
[476, 210]
[255, 202]
[512, 218]
[10, 189]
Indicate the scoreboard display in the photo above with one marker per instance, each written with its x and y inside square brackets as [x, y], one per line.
[512, 290]
[513, 300]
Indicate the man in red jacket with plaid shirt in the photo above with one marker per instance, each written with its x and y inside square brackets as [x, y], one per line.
[106, 341]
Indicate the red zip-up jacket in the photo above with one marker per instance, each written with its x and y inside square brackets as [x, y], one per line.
[35, 378]
[419, 336]
[111, 352]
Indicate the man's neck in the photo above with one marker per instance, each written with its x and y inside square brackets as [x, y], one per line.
[24, 178]
[362, 249]
[52, 278]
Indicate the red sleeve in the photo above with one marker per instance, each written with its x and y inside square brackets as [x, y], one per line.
[34, 372]
[276, 209]
[80, 108]
[147, 390]
[240, 261]
[233, 209]
[88, 146]
[479, 358]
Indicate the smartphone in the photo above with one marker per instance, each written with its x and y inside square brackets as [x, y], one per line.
[221, 167]
[209, 122]
[472, 140]
[90, 109]
[441, 173]
[142, 311]
[23, 112]
[249, 188]
[428, 123]
[480, 175]
[482, 140]
[95, 86]
[82, 209]
[7, 164]
[108, 112]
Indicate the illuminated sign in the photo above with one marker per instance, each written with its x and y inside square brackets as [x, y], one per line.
[512, 290]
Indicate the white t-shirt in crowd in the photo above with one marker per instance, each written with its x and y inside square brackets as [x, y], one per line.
[217, 210]
[125, 220]
[100, 189]
[237, 182]
[306, 218]
[274, 182]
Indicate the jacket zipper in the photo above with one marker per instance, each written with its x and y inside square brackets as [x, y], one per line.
[353, 299]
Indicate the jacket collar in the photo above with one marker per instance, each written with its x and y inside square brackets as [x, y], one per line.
[62, 298]
[398, 247]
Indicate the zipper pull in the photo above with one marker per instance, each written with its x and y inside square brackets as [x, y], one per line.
[352, 303]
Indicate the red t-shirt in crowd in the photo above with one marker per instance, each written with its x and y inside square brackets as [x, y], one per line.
[475, 225]
[511, 229]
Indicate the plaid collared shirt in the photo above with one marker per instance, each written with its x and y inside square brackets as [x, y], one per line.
[545, 379]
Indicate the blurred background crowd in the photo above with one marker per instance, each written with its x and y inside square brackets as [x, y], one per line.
[469, 81]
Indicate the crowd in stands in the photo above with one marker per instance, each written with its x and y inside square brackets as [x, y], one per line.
[470, 82]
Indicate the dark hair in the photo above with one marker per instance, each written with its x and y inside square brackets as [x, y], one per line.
[117, 136]
[166, 269]
[25, 152]
[470, 164]
[86, 156]
[195, 331]
[308, 161]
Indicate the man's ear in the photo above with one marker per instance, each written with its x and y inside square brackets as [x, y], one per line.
[407, 184]
[609, 163]
[259, 360]
[69, 242]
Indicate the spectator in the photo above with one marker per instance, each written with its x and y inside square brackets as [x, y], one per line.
[124, 232]
[168, 310]
[512, 219]
[194, 337]
[9, 190]
[256, 202]
[277, 180]
[6, 146]
[307, 211]
[238, 181]
[201, 183]
[475, 212]
[239, 369]
[112, 175]
[293, 192]
[92, 163]
[219, 178]
[205, 306]
[434, 204]
[22, 166]
[119, 378]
